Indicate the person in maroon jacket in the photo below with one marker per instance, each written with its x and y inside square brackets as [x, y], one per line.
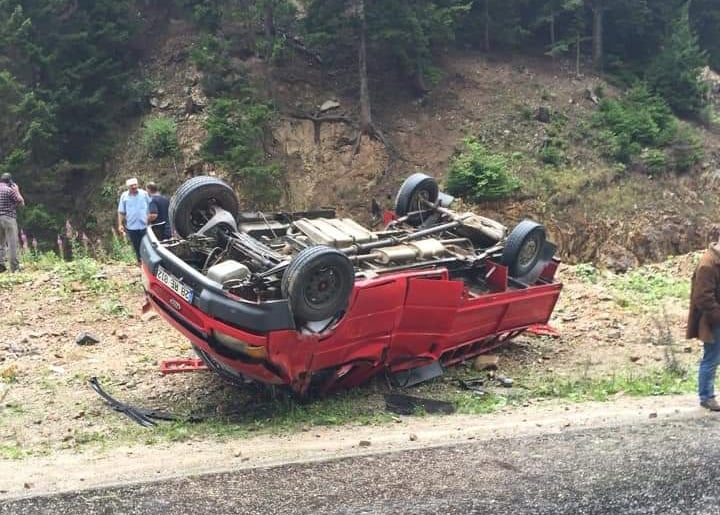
[704, 322]
[10, 200]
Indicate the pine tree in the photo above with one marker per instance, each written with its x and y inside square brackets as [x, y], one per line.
[675, 73]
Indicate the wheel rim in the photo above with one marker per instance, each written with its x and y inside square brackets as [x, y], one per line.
[528, 251]
[324, 285]
[201, 214]
[416, 203]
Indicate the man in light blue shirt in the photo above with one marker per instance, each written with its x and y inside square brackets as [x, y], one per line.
[133, 214]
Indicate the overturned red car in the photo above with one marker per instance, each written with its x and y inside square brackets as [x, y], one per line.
[318, 302]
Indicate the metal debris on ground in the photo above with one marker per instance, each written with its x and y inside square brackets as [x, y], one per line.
[142, 416]
[474, 384]
[407, 405]
[543, 330]
[504, 381]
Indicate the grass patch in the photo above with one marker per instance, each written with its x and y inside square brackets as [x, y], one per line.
[114, 307]
[658, 382]
[9, 281]
[642, 289]
[664, 381]
[11, 451]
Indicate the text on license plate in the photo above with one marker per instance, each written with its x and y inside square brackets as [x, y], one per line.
[174, 284]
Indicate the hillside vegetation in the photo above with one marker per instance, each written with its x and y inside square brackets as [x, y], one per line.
[309, 102]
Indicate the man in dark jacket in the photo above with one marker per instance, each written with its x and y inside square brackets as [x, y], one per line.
[159, 212]
[704, 322]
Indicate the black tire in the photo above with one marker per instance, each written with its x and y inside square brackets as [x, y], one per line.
[523, 248]
[318, 283]
[416, 187]
[189, 207]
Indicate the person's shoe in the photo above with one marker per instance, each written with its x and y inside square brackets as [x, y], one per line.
[711, 404]
[2, 268]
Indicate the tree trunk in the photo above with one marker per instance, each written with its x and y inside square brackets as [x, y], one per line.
[365, 114]
[577, 54]
[419, 78]
[597, 35]
[487, 25]
[269, 21]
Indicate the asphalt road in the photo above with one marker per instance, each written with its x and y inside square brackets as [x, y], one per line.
[668, 467]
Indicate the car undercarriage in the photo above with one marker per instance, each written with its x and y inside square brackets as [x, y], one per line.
[304, 275]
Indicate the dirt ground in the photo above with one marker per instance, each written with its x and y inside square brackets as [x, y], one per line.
[48, 409]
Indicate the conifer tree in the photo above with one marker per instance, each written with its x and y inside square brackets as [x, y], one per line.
[675, 73]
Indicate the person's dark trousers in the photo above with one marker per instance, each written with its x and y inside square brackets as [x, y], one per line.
[136, 237]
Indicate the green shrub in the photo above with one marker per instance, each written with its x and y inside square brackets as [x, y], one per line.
[236, 129]
[641, 128]
[686, 149]
[587, 272]
[206, 13]
[38, 219]
[476, 174]
[553, 149]
[211, 56]
[159, 137]
[639, 120]
[654, 160]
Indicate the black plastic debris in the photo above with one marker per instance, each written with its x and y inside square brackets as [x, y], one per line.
[417, 375]
[86, 339]
[474, 385]
[407, 405]
[142, 416]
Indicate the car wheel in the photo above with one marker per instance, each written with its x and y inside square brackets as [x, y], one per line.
[317, 283]
[523, 248]
[417, 187]
[190, 206]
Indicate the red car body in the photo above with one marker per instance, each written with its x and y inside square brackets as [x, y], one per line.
[394, 322]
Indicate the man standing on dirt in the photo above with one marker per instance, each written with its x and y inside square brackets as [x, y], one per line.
[704, 322]
[159, 208]
[10, 200]
[133, 214]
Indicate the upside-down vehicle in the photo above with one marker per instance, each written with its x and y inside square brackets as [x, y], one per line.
[318, 302]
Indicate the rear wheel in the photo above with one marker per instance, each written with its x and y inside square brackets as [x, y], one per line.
[191, 206]
[318, 283]
[523, 248]
[416, 189]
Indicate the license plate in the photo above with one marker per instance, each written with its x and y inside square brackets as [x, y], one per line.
[174, 284]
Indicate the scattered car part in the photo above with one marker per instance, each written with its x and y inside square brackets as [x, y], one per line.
[408, 405]
[417, 375]
[142, 416]
[543, 330]
[175, 366]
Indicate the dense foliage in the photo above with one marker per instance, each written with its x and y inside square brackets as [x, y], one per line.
[641, 130]
[235, 135]
[66, 78]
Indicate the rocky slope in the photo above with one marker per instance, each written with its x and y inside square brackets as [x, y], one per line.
[594, 214]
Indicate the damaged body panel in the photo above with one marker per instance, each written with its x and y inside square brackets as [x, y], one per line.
[318, 302]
